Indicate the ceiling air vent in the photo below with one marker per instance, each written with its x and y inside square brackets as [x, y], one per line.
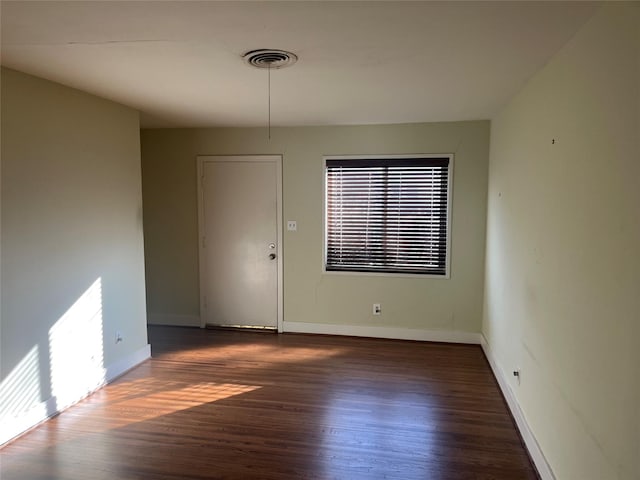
[267, 58]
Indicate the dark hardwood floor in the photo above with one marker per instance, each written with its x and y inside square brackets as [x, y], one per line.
[242, 405]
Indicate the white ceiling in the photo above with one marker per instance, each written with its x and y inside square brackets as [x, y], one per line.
[180, 63]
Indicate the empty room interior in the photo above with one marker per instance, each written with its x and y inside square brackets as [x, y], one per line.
[353, 240]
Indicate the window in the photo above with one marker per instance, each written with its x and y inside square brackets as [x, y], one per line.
[388, 215]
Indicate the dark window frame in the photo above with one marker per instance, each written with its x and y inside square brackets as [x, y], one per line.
[408, 223]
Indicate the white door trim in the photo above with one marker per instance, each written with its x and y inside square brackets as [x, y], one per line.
[201, 159]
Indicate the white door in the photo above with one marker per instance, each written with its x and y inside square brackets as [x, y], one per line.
[240, 246]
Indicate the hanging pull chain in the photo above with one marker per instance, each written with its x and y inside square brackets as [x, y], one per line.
[269, 58]
[269, 87]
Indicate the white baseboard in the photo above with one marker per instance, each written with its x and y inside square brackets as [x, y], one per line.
[125, 364]
[383, 332]
[544, 469]
[16, 426]
[175, 320]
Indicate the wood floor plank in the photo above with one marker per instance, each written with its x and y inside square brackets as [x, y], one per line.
[244, 405]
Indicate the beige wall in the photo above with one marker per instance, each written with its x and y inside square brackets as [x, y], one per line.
[72, 250]
[562, 265]
[169, 191]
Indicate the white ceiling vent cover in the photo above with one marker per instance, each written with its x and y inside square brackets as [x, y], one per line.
[267, 58]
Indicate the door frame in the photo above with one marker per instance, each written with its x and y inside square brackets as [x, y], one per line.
[200, 161]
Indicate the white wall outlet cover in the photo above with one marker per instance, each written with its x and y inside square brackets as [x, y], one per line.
[292, 225]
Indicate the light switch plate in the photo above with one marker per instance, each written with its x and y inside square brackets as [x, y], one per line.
[292, 226]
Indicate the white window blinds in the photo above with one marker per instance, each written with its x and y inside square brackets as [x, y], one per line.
[387, 215]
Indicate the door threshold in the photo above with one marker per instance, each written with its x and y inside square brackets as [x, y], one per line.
[251, 328]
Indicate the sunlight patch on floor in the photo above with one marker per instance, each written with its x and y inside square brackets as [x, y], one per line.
[141, 400]
[254, 352]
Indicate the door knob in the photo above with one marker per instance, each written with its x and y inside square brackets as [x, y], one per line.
[272, 256]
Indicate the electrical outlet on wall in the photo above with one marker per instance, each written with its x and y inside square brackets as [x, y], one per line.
[518, 375]
[377, 309]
